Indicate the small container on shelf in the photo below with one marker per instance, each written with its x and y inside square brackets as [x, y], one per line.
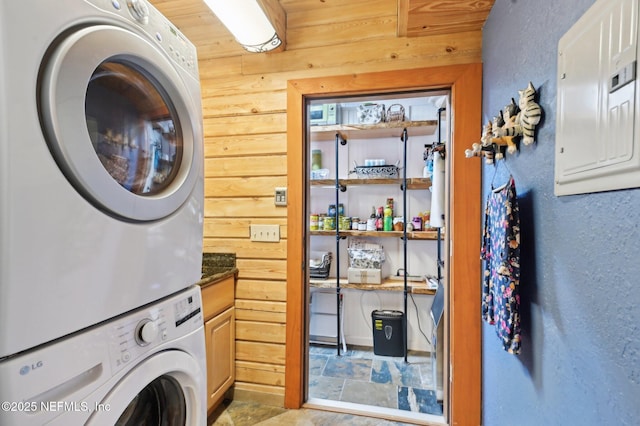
[313, 222]
[329, 223]
[319, 264]
[345, 223]
[355, 223]
[316, 159]
[319, 174]
[364, 276]
[321, 218]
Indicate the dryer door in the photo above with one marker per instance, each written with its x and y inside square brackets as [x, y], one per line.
[122, 122]
[166, 389]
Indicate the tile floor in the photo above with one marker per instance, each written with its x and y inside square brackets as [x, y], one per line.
[359, 376]
[244, 413]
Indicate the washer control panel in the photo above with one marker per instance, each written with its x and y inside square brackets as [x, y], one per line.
[139, 332]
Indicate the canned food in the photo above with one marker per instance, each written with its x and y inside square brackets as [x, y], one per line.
[340, 209]
[417, 223]
[332, 210]
[313, 222]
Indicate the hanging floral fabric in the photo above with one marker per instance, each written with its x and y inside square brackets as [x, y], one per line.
[501, 253]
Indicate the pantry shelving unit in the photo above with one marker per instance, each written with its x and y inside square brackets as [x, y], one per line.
[340, 135]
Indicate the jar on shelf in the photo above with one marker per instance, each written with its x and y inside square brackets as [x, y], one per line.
[331, 211]
[316, 159]
[355, 222]
[313, 222]
[345, 223]
[329, 223]
[390, 204]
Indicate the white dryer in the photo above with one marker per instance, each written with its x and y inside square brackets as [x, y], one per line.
[101, 165]
[144, 368]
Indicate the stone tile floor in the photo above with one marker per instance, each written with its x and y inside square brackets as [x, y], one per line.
[359, 376]
[244, 413]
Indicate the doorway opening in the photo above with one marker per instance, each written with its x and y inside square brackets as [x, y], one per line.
[462, 390]
[375, 254]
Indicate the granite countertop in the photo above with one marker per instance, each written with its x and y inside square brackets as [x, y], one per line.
[217, 266]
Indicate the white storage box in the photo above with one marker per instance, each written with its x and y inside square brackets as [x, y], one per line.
[364, 276]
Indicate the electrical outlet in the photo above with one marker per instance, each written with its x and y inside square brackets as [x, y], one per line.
[266, 233]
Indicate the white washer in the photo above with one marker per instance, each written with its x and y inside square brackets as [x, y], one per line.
[101, 165]
[146, 367]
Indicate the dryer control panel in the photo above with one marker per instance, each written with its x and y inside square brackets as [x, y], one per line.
[157, 28]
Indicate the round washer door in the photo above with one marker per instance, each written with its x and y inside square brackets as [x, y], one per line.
[122, 124]
[166, 389]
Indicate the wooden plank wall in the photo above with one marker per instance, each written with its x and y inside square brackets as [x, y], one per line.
[244, 105]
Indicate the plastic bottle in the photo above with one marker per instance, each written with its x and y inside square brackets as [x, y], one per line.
[379, 220]
[388, 219]
[427, 171]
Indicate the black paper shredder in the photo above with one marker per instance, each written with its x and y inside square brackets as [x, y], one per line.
[388, 336]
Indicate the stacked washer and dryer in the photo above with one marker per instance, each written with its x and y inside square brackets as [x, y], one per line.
[101, 211]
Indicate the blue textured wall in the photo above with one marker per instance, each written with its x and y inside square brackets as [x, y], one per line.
[580, 362]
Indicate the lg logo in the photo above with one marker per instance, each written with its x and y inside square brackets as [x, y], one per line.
[28, 368]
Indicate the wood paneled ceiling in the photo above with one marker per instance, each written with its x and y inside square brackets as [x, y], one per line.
[415, 18]
[418, 18]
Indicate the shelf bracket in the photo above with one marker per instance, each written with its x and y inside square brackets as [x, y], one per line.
[341, 138]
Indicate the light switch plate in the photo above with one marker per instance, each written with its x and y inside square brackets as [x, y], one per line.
[265, 233]
[281, 196]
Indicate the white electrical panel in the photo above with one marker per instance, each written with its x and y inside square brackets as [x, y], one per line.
[597, 138]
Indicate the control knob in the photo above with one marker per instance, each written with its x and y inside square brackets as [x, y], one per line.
[146, 332]
[139, 10]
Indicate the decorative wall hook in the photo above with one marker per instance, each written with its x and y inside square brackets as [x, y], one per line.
[512, 124]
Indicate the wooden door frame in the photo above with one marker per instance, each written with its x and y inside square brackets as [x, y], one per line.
[464, 330]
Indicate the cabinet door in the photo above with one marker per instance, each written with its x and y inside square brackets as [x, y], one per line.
[220, 334]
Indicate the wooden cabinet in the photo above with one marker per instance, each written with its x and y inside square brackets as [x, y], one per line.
[219, 316]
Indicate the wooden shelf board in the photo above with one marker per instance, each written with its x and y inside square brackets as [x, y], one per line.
[412, 183]
[413, 235]
[380, 130]
[386, 285]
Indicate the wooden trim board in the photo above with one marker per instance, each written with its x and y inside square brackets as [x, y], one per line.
[463, 325]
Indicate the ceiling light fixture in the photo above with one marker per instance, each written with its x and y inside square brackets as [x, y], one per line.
[247, 22]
